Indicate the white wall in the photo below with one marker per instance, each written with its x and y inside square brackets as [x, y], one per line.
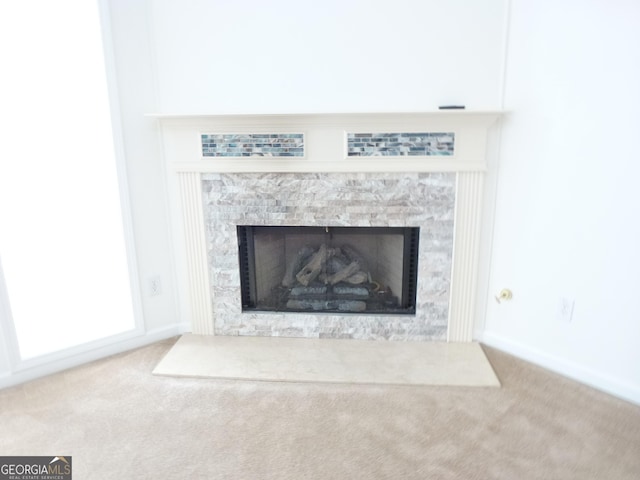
[304, 56]
[568, 202]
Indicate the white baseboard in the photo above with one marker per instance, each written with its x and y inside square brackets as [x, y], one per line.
[30, 370]
[592, 378]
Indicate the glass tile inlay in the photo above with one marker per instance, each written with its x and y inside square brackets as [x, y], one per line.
[399, 144]
[253, 145]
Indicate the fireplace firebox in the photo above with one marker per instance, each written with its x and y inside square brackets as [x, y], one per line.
[370, 270]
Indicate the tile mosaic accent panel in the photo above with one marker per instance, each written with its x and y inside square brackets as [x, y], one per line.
[400, 144]
[424, 200]
[253, 145]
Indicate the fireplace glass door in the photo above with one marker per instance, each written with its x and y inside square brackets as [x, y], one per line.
[366, 270]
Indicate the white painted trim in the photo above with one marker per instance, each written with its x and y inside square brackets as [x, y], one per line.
[58, 355]
[325, 141]
[10, 354]
[73, 357]
[564, 367]
[23, 370]
[464, 272]
[371, 118]
[198, 284]
[120, 161]
[483, 293]
[352, 164]
[506, 36]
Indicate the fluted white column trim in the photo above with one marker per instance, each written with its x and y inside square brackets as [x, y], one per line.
[466, 248]
[198, 285]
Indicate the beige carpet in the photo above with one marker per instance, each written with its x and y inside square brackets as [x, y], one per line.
[119, 421]
[333, 361]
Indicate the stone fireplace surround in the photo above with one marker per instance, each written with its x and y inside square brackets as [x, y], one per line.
[425, 200]
[326, 187]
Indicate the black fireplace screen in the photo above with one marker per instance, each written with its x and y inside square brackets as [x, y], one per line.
[329, 269]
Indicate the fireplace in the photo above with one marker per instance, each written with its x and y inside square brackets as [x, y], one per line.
[233, 176]
[328, 269]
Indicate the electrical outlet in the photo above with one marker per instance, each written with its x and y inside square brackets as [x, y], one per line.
[565, 309]
[155, 286]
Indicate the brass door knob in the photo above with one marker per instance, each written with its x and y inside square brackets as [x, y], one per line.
[504, 295]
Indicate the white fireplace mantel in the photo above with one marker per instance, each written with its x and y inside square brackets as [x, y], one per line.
[325, 139]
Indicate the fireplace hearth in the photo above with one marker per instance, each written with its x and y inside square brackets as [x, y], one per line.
[328, 269]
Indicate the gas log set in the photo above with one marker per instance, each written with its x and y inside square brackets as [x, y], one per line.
[331, 279]
[370, 270]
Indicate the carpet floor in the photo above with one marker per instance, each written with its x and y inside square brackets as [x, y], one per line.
[119, 421]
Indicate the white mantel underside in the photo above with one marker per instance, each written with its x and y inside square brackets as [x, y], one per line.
[325, 152]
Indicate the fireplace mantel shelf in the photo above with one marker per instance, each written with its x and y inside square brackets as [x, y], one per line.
[328, 116]
[325, 137]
